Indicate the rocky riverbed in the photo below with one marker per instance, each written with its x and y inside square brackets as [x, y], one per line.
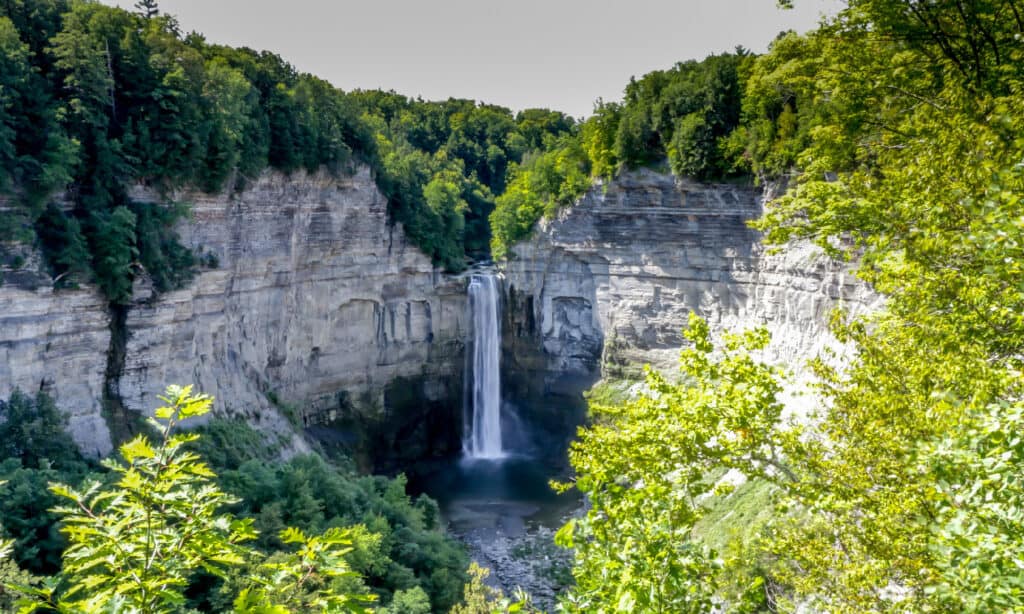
[507, 514]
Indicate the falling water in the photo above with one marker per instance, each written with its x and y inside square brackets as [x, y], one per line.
[482, 438]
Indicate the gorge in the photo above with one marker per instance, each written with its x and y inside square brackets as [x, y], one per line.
[320, 323]
[747, 339]
[318, 307]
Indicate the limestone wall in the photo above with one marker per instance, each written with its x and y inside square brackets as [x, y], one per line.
[609, 285]
[315, 300]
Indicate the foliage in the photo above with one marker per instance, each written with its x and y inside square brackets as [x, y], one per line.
[411, 601]
[682, 113]
[406, 553]
[10, 574]
[598, 138]
[98, 99]
[307, 492]
[291, 582]
[538, 187]
[135, 545]
[646, 468]
[686, 115]
[979, 529]
[443, 164]
[227, 443]
[36, 450]
[901, 492]
[33, 433]
[611, 391]
[914, 165]
[95, 100]
[483, 599]
[779, 107]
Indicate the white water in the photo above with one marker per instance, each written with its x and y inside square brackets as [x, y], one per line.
[482, 439]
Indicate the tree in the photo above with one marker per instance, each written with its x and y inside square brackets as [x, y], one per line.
[900, 492]
[483, 599]
[538, 188]
[136, 544]
[9, 572]
[147, 8]
[114, 251]
[412, 601]
[14, 72]
[598, 136]
[648, 468]
[33, 432]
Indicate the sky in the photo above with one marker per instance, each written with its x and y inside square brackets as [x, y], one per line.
[558, 54]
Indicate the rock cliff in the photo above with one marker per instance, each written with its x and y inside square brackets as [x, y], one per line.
[608, 285]
[319, 315]
[315, 303]
[56, 341]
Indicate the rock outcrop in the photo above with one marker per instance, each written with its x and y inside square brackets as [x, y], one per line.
[315, 302]
[608, 285]
[56, 342]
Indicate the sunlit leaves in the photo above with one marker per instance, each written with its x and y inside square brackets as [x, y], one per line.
[647, 466]
[136, 545]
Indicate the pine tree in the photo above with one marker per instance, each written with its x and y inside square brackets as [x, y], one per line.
[148, 8]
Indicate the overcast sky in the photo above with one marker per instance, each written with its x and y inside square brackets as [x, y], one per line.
[561, 54]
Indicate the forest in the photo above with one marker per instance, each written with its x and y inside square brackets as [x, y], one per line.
[896, 134]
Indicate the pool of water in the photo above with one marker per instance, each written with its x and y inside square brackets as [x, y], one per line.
[507, 495]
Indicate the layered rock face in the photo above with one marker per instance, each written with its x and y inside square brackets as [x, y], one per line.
[315, 302]
[609, 285]
[56, 342]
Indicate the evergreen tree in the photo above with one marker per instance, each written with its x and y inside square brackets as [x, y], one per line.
[147, 8]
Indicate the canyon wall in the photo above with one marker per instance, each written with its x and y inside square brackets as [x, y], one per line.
[608, 285]
[316, 312]
[56, 342]
[313, 313]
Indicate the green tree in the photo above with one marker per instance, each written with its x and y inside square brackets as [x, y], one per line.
[483, 599]
[899, 493]
[33, 432]
[692, 147]
[598, 136]
[136, 544]
[538, 188]
[14, 72]
[37, 450]
[648, 468]
[112, 243]
[10, 574]
[412, 601]
[147, 8]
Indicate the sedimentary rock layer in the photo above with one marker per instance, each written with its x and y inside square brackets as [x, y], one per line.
[315, 302]
[608, 285]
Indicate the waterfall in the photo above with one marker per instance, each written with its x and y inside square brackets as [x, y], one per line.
[482, 437]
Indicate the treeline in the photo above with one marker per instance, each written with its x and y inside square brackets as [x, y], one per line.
[442, 164]
[723, 118]
[95, 99]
